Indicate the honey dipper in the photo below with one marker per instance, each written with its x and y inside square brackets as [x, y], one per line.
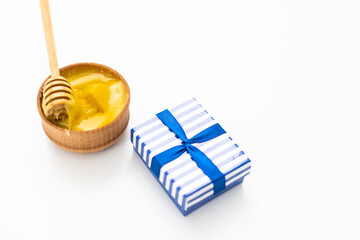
[57, 90]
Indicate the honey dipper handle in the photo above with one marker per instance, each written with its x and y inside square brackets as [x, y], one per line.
[49, 37]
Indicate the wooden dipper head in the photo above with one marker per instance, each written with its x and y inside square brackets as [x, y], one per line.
[57, 90]
[57, 96]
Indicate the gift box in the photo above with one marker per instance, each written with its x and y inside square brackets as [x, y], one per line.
[190, 155]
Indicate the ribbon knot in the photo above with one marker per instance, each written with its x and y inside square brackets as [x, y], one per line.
[186, 144]
[201, 160]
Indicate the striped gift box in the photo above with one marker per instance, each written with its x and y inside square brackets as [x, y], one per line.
[185, 183]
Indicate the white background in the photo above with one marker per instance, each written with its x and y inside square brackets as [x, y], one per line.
[281, 76]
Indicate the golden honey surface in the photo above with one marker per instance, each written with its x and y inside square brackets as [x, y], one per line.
[99, 99]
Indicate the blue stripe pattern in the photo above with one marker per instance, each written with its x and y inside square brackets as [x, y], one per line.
[185, 183]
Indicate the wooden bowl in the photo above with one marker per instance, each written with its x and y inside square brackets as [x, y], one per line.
[92, 140]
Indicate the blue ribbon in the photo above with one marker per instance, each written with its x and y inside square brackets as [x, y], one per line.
[201, 160]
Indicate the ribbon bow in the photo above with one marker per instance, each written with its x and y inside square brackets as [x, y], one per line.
[201, 160]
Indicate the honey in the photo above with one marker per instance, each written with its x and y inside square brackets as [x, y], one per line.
[98, 100]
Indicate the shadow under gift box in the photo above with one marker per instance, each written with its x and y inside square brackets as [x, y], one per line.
[91, 140]
[184, 182]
